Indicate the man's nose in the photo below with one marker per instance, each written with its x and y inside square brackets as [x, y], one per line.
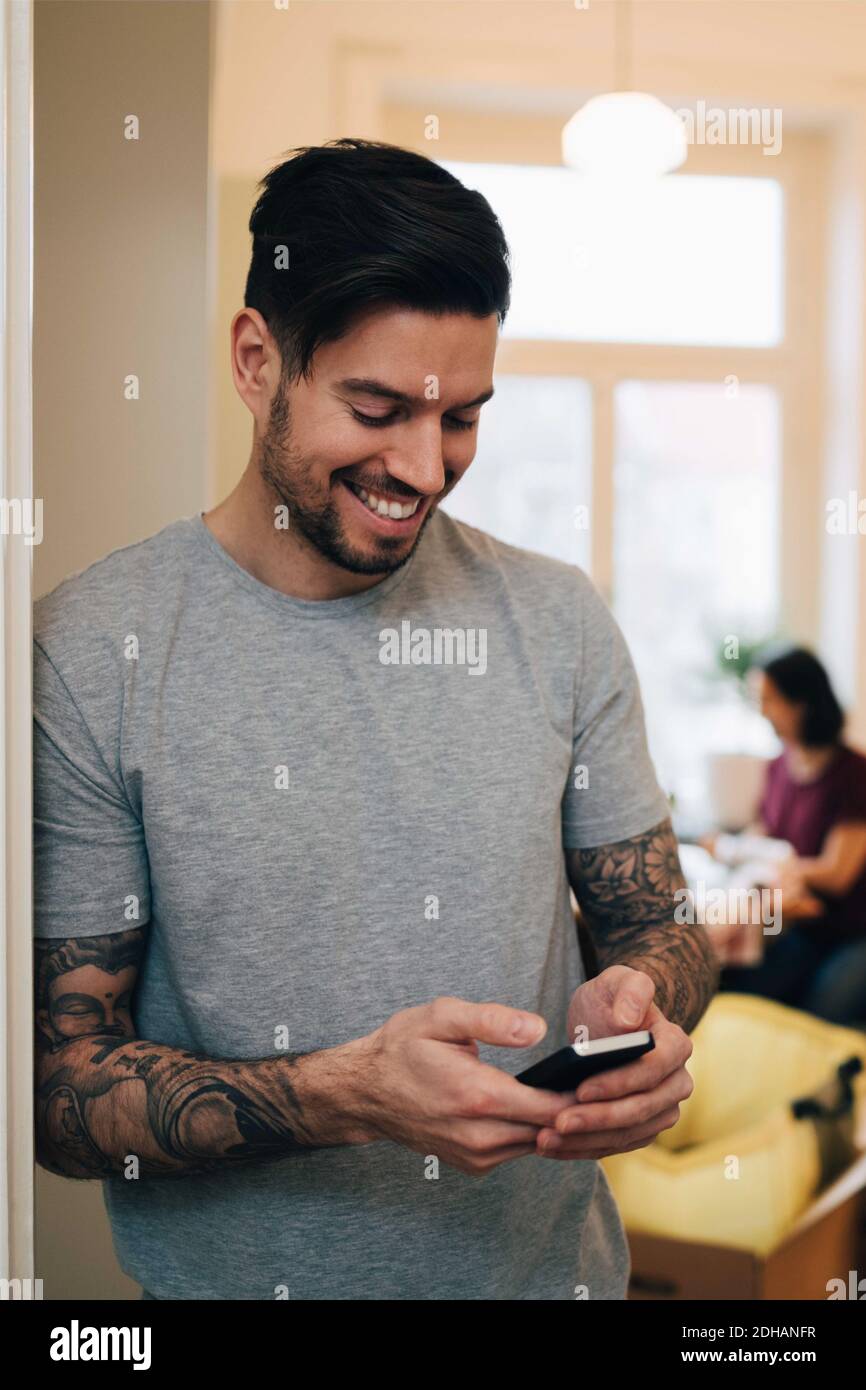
[420, 464]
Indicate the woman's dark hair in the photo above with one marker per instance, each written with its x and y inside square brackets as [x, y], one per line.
[801, 678]
[342, 226]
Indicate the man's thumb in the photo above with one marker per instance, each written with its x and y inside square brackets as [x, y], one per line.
[633, 997]
[456, 1019]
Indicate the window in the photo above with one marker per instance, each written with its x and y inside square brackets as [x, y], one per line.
[530, 481]
[603, 265]
[696, 489]
[653, 365]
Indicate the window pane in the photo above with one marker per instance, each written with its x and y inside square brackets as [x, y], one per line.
[695, 559]
[682, 259]
[529, 483]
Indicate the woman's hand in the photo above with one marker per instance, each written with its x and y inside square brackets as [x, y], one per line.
[798, 900]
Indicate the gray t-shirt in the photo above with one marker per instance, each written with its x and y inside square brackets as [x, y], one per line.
[325, 821]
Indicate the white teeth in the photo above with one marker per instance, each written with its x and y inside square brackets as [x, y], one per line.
[393, 510]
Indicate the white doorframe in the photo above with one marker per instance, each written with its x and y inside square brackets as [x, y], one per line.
[16, 556]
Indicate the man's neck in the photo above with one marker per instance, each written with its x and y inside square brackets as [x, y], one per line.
[244, 525]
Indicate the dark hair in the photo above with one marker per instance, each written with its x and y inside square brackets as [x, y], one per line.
[365, 222]
[801, 678]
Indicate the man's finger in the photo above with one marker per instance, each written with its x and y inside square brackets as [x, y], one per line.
[455, 1020]
[521, 1104]
[493, 1135]
[617, 1140]
[672, 1050]
[628, 1111]
[645, 1074]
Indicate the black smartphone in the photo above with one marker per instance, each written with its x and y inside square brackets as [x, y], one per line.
[566, 1069]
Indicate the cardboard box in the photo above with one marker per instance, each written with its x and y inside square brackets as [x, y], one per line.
[827, 1242]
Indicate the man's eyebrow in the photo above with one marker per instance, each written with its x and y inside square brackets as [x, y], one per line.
[370, 387]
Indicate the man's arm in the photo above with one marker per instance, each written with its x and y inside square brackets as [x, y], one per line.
[104, 1096]
[626, 896]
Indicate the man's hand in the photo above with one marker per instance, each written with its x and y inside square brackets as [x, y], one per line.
[419, 1082]
[627, 1107]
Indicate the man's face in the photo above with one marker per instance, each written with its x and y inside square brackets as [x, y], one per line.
[361, 472]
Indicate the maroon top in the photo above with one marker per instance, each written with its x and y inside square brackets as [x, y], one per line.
[804, 812]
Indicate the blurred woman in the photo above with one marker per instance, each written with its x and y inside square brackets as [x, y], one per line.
[815, 798]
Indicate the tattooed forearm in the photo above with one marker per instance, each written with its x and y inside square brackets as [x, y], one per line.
[626, 896]
[108, 1102]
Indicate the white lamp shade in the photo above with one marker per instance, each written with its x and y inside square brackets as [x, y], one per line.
[624, 135]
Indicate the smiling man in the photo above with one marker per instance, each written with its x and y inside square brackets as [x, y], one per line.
[303, 913]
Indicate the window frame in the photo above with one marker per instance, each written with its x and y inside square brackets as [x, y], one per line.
[793, 367]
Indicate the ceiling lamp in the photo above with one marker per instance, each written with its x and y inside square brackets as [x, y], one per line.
[624, 134]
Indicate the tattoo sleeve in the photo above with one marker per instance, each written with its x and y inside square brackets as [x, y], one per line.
[626, 896]
[109, 1102]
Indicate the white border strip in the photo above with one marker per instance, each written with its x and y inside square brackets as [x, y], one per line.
[16, 481]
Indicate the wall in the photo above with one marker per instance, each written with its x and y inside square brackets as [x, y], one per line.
[120, 272]
[121, 280]
[512, 70]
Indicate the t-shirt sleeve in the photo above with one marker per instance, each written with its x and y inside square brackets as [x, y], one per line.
[765, 812]
[612, 791]
[90, 860]
[851, 803]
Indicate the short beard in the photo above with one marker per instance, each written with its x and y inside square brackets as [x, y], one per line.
[286, 473]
